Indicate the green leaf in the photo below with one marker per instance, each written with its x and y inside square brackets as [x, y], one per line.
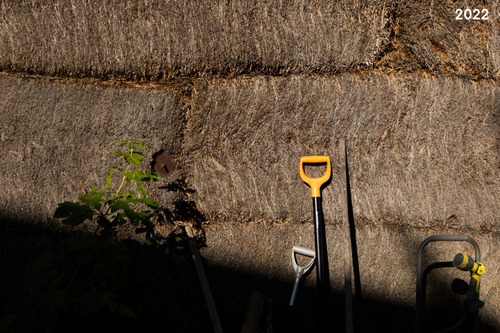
[140, 146]
[141, 188]
[73, 213]
[125, 310]
[87, 303]
[119, 219]
[124, 205]
[130, 158]
[107, 300]
[120, 204]
[122, 142]
[110, 173]
[119, 153]
[137, 176]
[148, 223]
[134, 160]
[129, 194]
[149, 202]
[93, 198]
[136, 145]
[151, 177]
[133, 175]
[134, 217]
[137, 155]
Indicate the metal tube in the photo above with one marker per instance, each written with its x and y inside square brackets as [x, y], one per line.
[294, 291]
[322, 276]
[419, 295]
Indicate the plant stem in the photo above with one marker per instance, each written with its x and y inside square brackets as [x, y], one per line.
[123, 180]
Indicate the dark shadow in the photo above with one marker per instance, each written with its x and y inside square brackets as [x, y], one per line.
[450, 309]
[352, 228]
[176, 187]
[166, 286]
[442, 264]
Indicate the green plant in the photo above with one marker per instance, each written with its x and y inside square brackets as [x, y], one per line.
[80, 283]
[111, 211]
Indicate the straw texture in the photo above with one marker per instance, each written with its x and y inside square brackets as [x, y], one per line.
[57, 140]
[152, 39]
[237, 91]
[422, 151]
[156, 39]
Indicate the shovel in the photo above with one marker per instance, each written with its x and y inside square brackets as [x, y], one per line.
[299, 273]
[323, 282]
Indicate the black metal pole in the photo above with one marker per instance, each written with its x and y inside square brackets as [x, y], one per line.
[322, 275]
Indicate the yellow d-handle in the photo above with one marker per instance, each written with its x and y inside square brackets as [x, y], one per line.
[315, 183]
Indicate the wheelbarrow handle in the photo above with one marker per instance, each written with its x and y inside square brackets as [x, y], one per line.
[315, 183]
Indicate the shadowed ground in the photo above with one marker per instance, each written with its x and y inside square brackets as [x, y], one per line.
[240, 257]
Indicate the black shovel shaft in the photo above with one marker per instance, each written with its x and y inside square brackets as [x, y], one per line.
[321, 259]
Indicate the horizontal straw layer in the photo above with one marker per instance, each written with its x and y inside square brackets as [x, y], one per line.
[422, 151]
[152, 40]
[57, 140]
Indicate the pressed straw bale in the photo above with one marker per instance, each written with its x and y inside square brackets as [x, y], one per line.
[57, 139]
[422, 151]
[387, 273]
[153, 39]
[427, 35]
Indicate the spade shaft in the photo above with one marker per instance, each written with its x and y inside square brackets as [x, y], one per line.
[322, 276]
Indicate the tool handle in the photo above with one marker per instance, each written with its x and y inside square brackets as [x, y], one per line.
[204, 282]
[294, 292]
[300, 271]
[322, 275]
[315, 183]
[304, 251]
[473, 291]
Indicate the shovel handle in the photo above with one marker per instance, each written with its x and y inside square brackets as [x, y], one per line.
[315, 183]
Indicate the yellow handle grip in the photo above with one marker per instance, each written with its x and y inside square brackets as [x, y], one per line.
[315, 183]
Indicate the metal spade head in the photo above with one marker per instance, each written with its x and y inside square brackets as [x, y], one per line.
[164, 165]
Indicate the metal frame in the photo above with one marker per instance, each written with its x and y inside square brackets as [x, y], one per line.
[420, 291]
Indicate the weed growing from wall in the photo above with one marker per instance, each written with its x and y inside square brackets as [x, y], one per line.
[83, 282]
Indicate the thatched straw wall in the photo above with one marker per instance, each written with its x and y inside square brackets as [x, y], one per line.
[57, 140]
[237, 92]
[428, 35]
[422, 151]
[387, 268]
[155, 39]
